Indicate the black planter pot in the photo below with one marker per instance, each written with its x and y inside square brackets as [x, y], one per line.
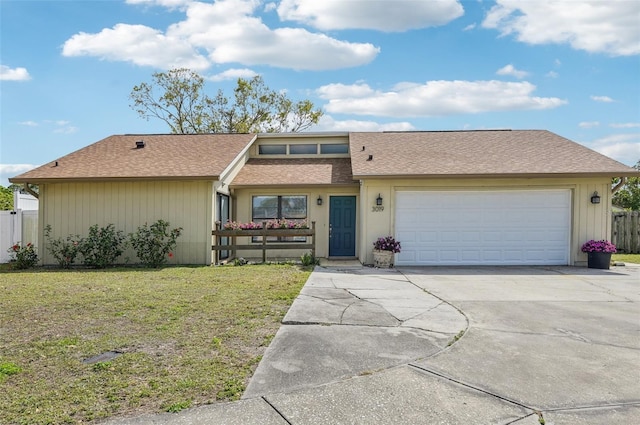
[599, 260]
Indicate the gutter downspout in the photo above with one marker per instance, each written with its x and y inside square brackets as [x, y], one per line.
[622, 182]
[31, 192]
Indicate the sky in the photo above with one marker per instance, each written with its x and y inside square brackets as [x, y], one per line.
[67, 68]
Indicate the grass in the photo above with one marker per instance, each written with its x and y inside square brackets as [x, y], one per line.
[626, 258]
[188, 336]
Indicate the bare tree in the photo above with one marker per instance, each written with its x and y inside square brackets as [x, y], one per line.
[176, 97]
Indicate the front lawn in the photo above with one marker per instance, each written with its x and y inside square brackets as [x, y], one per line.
[626, 258]
[185, 336]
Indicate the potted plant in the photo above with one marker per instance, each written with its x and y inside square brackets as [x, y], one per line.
[384, 250]
[599, 253]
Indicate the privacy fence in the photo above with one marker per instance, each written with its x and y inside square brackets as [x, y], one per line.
[625, 231]
[17, 226]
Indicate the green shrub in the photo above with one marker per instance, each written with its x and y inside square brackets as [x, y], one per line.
[153, 244]
[240, 262]
[65, 250]
[102, 247]
[23, 257]
[308, 259]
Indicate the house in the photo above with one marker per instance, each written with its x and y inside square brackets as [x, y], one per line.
[490, 197]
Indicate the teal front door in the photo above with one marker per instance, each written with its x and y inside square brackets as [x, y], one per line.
[342, 226]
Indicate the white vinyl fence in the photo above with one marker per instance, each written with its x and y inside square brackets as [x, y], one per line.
[17, 226]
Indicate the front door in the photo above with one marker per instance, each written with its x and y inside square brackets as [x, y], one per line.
[342, 226]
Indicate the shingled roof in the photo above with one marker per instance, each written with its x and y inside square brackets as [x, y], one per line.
[167, 156]
[499, 153]
[299, 171]
[536, 153]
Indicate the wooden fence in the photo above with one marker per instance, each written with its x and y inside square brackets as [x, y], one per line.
[625, 231]
[264, 244]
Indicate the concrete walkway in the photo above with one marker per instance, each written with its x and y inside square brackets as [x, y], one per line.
[368, 346]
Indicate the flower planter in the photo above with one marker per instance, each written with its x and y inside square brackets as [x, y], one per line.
[599, 260]
[383, 259]
[265, 244]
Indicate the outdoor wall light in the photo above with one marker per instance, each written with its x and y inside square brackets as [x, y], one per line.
[595, 198]
[379, 200]
[319, 200]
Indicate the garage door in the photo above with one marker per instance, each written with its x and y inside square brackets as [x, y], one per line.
[483, 227]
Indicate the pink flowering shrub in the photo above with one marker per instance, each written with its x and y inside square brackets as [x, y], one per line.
[387, 244]
[287, 224]
[234, 225]
[271, 224]
[598, 246]
[64, 250]
[23, 257]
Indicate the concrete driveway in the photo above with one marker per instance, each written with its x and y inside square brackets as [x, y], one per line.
[508, 345]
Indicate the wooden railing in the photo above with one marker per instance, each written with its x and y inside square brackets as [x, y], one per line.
[264, 244]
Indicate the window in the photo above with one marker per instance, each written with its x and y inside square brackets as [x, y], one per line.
[272, 149]
[223, 208]
[306, 149]
[265, 208]
[326, 148]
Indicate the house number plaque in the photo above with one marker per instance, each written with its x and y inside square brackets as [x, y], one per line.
[377, 208]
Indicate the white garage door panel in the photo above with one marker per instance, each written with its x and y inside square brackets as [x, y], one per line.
[492, 228]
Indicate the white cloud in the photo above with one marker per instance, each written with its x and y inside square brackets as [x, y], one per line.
[469, 27]
[66, 130]
[13, 74]
[552, 74]
[434, 98]
[327, 123]
[232, 74]
[338, 90]
[14, 169]
[588, 124]
[138, 44]
[609, 27]
[55, 126]
[171, 4]
[625, 125]
[381, 15]
[221, 32]
[605, 99]
[621, 147]
[511, 70]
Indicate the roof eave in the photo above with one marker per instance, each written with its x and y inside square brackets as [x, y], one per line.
[503, 175]
[19, 179]
[292, 185]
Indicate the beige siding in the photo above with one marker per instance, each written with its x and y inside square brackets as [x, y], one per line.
[317, 213]
[71, 208]
[588, 221]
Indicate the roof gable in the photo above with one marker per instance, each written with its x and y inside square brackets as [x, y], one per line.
[168, 156]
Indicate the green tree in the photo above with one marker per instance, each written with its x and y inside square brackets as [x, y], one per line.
[628, 197]
[6, 199]
[177, 98]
